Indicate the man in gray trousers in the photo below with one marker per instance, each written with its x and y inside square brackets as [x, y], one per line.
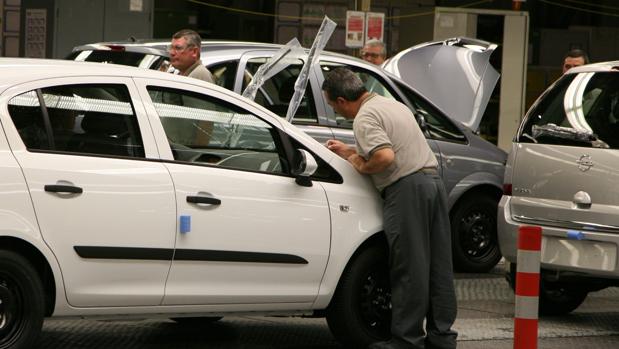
[392, 149]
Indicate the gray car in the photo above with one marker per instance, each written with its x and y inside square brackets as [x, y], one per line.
[472, 168]
[562, 175]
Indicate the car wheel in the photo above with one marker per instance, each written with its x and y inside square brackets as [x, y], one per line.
[360, 311]
[21, 302]
[474, 235]
[196, 321]
[557, 298]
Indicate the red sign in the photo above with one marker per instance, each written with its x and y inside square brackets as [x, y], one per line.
[375, 26]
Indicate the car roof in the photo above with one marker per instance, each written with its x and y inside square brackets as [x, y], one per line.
[20, 70]
[159, 46]
[596, 67]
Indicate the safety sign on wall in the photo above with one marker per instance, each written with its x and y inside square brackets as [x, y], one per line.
[364, 26]
[375, 25]
[355, 28]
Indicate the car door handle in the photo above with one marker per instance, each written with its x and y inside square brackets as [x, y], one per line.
[59, 188]
[203, 200]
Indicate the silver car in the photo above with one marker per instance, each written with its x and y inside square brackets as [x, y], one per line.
[472, 168]
[562, 175]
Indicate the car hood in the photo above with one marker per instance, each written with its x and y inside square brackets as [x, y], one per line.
[455, 74]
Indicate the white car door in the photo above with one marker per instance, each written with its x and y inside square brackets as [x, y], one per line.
[247, 232]
[104, 209]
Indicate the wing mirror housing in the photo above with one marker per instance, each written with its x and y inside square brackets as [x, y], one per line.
[304, 165]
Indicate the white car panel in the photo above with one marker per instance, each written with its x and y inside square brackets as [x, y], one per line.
[125, 204]
[95, 217]
[252, 205]
[112, 242]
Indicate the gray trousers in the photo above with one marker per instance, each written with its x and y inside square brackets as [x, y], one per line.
[417, 227]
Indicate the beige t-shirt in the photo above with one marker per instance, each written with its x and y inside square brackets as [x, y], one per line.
[198, 71]
[383, 122]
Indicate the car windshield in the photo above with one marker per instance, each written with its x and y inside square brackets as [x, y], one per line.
[579, 110]
[134, 59]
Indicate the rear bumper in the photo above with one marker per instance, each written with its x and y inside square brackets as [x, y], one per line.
[595, 254]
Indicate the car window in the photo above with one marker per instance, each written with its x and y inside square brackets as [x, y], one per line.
[580, 110]
[201, 129]
[123, 57]
[93, 119]
[224, 73]
[277, 92]
[437, 125]
[373, 83]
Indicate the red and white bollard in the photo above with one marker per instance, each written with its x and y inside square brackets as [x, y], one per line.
[527, 287]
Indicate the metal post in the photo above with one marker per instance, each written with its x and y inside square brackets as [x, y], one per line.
[527, 287]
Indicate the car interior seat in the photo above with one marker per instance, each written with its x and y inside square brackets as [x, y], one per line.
[29, 123]
[104, 133]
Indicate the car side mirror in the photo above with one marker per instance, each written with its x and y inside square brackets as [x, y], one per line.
[303, 167]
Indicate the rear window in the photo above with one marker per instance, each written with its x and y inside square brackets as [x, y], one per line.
[579, 110]
[85, 119]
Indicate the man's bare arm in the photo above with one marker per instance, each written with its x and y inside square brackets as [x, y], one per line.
[378, 161]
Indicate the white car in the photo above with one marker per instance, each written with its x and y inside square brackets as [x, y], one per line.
[130, 192]
[561, 175]
[441, 82]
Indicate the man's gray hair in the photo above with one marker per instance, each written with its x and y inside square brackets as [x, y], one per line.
[191, 36]
[342, 82]
[377, 43]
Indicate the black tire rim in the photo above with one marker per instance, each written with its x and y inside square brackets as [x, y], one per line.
[476, 232]
[11, 312]
[375, 304]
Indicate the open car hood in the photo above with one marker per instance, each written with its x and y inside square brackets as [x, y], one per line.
[455, 74]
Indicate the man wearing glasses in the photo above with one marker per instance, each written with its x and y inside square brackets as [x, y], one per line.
[374, 52]
[185, 55]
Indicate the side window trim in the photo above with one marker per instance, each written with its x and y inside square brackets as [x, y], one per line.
[46, 121]
[71, 100]
[144, 125]
[259, 148]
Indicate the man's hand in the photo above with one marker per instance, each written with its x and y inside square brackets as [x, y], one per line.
[340, 148]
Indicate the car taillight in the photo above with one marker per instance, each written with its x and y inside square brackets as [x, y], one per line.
[507, 189]
[118, 48]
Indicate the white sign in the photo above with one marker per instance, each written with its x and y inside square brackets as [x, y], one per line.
[375, 26]
[136, 5]
[355, 28]
[36, 33]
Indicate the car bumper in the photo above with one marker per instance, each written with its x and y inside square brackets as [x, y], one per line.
[594, 254]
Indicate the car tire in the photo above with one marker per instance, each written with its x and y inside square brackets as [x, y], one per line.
[474, 234]
[22, 305]
[360, 311]
[557, 298]
[196, 321]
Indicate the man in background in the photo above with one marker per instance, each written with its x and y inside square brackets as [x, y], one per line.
[374, 52]
[574, 58]
[185, 55]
